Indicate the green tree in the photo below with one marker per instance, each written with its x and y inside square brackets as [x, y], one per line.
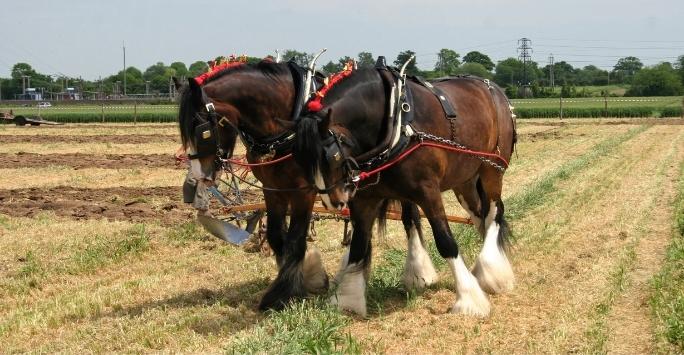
[511, 72]
[180, 68]
[592, 75]
[658, 80]
[625, 69]
[412, 67]
[366, 60]
[477, 57]
[331, 68]
[301, 58]
[562, 72]
[197, 68]
[679, 65]
[476, 69]
[159, 77]
[447, 62]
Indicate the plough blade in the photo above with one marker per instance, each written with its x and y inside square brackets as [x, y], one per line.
[223, 230]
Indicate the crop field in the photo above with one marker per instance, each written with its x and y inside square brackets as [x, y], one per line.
[99, 254]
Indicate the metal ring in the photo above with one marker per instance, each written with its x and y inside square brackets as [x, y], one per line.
[405, 107]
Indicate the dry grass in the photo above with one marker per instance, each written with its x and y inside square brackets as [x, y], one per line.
[98, 286]
[92, 129]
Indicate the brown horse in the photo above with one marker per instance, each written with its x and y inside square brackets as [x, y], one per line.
[352, 121]
[252, 99]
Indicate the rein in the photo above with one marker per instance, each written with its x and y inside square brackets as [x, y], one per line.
[366, 174]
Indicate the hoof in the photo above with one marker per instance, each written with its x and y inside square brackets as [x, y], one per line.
[351, 293]
[473, 303]
[315, 277]
[494, 275]
[419, 274]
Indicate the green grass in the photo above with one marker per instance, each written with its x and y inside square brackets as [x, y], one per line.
[667, 299]
[101, 250]
[593, 102]
[94, 114]
[304, 327]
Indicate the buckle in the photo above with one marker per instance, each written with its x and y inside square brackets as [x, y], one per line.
[210, 107]
[223, 118]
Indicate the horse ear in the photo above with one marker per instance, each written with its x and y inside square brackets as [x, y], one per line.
[324, 123]
[195, 91]
[176, 83]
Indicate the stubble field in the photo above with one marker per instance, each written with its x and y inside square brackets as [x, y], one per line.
[98, 253]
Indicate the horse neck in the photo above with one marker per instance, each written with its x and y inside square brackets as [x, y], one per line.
[359, 112]
[258, 99]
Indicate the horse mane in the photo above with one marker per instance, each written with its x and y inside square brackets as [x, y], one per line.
[308, 145]
[188, 108]
[266, 67]
[186, 115]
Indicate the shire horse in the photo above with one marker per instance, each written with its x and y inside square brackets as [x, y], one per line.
[352, 119]
[251, 99]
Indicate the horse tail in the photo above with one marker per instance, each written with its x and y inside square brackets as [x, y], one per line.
[308, 146]
[382, 218]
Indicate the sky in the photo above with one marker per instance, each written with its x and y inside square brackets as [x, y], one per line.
[85, 37]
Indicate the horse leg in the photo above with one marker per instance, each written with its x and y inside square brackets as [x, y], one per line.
[492, 268]
[470, 299]
[350, 293]
[470, 196]
[418, 269]
[290, 282]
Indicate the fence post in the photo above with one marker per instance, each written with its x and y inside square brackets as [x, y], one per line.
[561, 107]
[135, 112]
[682, 107]
[605, 105]
[103, 113]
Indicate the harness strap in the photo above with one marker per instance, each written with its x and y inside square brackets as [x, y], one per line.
[448, 108]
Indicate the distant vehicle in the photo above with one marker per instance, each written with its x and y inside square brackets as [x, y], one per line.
[44, 104]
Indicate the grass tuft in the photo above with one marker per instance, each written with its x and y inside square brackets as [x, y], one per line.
[667, 299]
[102, 251]
[309, 326]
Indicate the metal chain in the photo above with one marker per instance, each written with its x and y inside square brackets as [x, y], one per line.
[432, 137]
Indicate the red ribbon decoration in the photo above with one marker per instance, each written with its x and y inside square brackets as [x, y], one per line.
[315, 104]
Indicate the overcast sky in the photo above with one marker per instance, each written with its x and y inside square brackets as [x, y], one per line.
[85, 37]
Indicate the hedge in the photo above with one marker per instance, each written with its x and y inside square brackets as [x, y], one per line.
[597, 112]
[92, 117]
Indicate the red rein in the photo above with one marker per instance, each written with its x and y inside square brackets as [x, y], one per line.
[365, 175]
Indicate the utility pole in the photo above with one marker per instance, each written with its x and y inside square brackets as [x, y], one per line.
[525, 55]
[551, 70]
[124, 68]
[147, 88]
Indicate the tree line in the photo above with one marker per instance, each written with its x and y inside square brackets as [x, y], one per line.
[663, 79]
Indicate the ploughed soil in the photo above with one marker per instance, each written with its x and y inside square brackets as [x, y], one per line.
[127, 204]
[115, 139]
[163, 204]
[84, 161]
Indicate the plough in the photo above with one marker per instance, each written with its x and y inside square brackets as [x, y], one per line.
[237, 220]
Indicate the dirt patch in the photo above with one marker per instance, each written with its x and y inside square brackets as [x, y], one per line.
[115, 139]
[551, 133]
[163, 204]
[124, 204]
[84, 161]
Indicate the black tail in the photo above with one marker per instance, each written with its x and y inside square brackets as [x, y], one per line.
[484, 204]
[503, 239]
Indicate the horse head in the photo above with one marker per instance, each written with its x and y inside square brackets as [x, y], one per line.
[204, 132]
[326, 157]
